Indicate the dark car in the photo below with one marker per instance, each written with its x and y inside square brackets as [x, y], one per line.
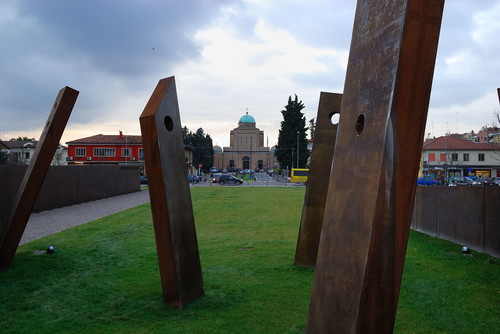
[223, 179]
[487, 182]
[215, 178]
[193, 179]
[143, 179]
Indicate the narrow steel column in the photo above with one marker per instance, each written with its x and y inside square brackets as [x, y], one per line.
[171, 206]
[376, 160]
[317, 182]
[35, 175]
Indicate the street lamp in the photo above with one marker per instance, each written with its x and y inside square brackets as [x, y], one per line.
[298, 149]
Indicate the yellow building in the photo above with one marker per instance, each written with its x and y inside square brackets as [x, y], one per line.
[246, 150]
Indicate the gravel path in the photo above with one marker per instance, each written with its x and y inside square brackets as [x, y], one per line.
[52, 221]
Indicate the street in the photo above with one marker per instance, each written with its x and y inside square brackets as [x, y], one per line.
[261, 180]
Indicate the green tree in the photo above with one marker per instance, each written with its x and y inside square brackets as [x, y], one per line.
[202, 146]
[292, 135]
[22, 138]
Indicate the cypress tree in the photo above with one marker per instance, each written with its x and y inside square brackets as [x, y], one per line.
[292, 134]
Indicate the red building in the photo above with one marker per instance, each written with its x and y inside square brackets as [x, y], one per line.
[114, 149]
[106, 149]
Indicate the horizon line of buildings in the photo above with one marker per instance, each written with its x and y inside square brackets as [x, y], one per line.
[452, 155]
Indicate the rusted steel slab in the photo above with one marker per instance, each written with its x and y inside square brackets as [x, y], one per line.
[317, 181]
[35, 174]
[171, 206]
[376, 160]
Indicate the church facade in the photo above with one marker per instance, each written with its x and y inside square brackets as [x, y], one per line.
[246, 150]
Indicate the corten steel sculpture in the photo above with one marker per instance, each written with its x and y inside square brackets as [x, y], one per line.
[171, 206]
[35, 175]
[317, 182]
[379, 142]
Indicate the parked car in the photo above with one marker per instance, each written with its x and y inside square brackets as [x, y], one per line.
[473, 182]
[460, 181]
[143, 179]
[497, 180]
[193, 179]
[215, 178]
[214, 170]
[486, 181]
[223, 179]
[424, 181]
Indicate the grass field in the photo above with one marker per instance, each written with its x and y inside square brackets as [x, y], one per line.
[103, 276]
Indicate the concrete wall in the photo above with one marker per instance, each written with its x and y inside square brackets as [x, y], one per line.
[465, 215]
[68, 185]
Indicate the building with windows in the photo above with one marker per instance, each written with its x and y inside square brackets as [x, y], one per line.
[20, 152]
[106, 149]
[487, 135]
[246, 148]
[113, 149]
[453, 157]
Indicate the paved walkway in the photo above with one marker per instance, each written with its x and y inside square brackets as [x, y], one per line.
[52, 221]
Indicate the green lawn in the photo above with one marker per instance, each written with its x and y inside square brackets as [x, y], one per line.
[103, 276]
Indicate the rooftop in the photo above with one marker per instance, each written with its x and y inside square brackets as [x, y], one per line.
[452, 143]
[247, 119]
[108, 139]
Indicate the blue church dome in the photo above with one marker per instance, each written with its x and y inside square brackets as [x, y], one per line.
[247, 119]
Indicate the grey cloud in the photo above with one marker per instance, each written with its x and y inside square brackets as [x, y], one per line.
[127, 38]
[53, 43]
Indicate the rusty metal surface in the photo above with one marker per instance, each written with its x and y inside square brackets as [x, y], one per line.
[317, 181]
[171, 206]
[35, 175]
[376, 160]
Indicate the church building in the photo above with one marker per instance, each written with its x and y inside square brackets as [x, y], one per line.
[246, 150]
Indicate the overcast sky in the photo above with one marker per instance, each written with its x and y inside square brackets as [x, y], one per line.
[227, 57]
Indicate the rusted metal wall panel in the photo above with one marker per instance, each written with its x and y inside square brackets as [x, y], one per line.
[369, 206]
[69, 185]
[464, 215]
[33, 178]
[170, 196]
[317, 183]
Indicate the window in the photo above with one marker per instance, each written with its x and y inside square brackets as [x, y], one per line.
[126, 152]
[454, 157]
[104, 152]
[80, 151]
[480, 157]
[141, 154]
[466, 156]
[432, 156]
[442, 157]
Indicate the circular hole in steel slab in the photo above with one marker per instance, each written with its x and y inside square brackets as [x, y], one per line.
[360, 124]
[334, 118]
[169, 123]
